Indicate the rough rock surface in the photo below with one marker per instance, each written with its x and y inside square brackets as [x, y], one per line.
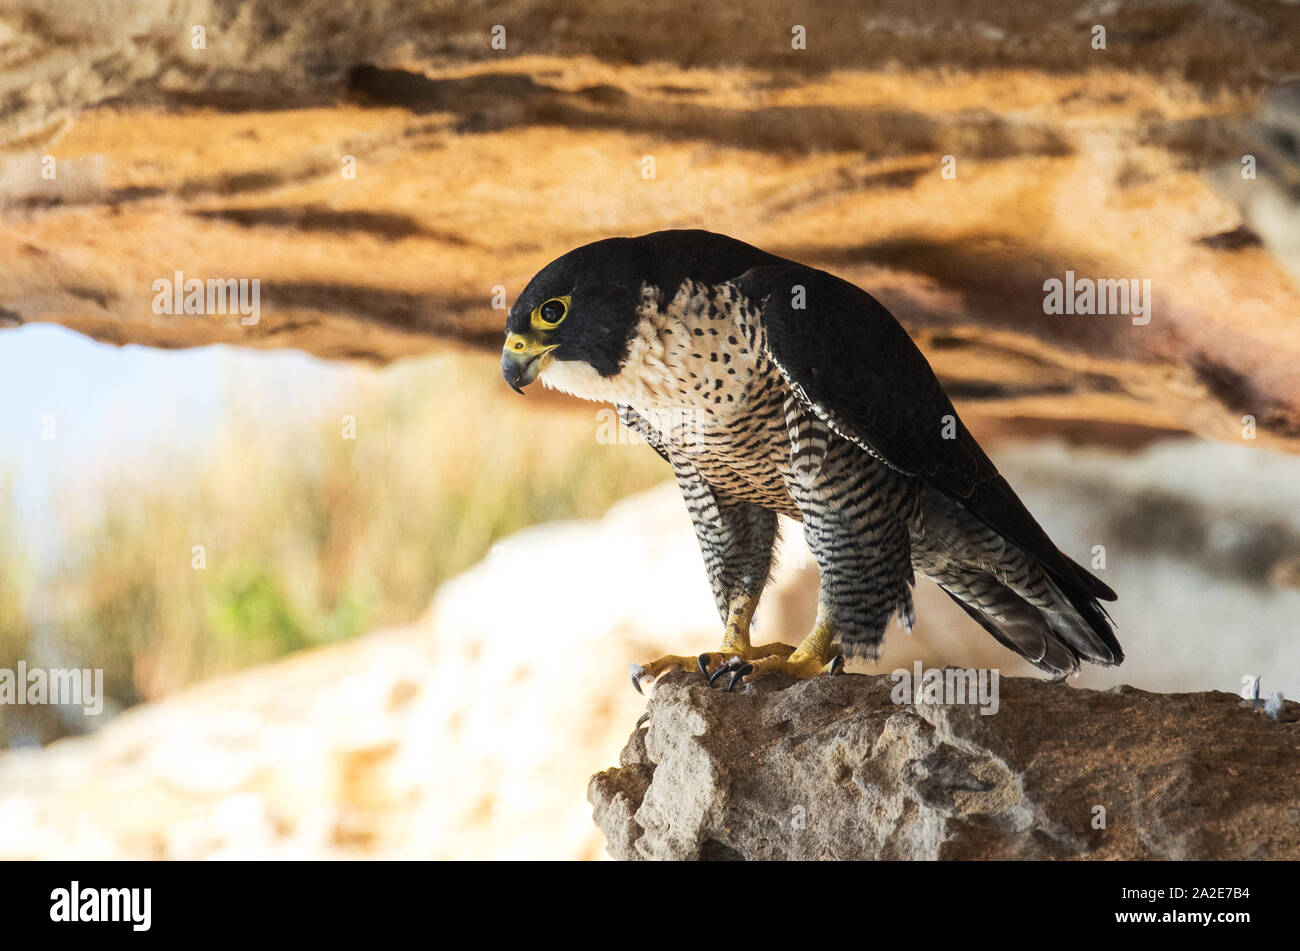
[833, 768]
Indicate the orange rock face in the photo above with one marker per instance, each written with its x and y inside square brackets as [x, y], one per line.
[386, 177]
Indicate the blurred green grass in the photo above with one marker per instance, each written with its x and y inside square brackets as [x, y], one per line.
[307, 537]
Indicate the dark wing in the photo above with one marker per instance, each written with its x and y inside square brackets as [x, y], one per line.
[856, 367]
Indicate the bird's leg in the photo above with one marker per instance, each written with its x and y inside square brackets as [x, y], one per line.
[735, 649]
[813, 656]
[735, 655]
[739, 615]
[736, 540]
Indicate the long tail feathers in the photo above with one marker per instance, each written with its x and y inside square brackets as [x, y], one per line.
[1053, 638]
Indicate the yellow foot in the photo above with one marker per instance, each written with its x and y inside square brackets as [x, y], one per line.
[799, 664]
[711, 664]
[739, 665]
[644, 675]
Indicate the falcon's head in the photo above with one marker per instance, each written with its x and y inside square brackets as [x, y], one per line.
[584, 308]
[579, 308]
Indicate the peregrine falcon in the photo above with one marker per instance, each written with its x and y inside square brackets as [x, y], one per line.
[775, 388]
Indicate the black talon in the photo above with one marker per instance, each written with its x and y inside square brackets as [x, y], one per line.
[837, 664]
[637, 672]
[704, 667]
[723, 668]
[739, 672]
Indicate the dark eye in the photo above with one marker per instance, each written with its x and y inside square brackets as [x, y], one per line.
[553, 311]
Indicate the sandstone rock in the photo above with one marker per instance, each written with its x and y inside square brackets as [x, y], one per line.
[475, 166]
[833, 768]
[1268, 190]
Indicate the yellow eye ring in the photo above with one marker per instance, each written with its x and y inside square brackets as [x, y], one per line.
[550, 313]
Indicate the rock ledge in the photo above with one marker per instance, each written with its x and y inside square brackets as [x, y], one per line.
[833, 769]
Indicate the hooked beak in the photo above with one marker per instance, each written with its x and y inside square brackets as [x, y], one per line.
[523, 358]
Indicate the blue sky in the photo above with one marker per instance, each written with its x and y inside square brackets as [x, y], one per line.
[112, 406]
